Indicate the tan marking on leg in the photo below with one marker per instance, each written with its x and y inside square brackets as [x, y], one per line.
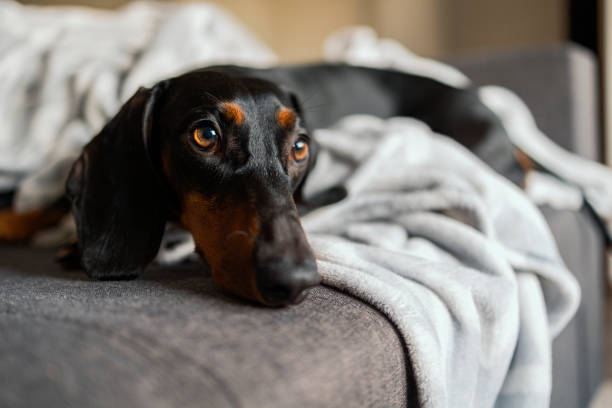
[15, 227]
[524, 160]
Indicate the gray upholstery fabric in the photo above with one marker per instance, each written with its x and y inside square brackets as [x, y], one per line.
[578, 351]
[171, 338]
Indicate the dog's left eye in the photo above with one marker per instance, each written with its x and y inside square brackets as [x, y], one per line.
[206, 137]
[299, 151]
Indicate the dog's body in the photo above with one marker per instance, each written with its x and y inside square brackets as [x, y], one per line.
[225, 150]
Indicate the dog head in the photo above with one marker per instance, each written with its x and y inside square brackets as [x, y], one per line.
[223, 153]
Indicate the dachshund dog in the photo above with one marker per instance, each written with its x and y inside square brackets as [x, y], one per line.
[225, 152]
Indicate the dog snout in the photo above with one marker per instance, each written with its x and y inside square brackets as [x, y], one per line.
[285, 266]
[284, 282]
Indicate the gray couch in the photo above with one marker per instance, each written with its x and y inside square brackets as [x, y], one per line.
[171, 338]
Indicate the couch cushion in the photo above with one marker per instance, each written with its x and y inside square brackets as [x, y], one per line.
[171, 338]
[578, 351]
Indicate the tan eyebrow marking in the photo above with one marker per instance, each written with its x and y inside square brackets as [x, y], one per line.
[286, 118]
[232, 112]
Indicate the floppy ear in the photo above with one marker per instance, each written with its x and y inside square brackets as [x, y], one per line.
[117, 199]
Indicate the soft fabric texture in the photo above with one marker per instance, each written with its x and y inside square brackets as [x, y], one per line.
[362, 46]
[172, 339]
[559, 84]
[455, 255]
[594, 179]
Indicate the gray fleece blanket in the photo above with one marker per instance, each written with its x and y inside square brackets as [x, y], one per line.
[454, 255]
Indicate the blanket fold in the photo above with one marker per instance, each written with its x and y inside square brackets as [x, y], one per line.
[458, 258]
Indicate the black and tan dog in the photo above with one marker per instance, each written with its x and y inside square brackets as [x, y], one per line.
[224, 151]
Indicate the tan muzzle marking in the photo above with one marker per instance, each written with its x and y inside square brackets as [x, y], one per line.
[224, 232]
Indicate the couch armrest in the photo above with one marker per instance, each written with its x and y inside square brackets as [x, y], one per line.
[558, 83]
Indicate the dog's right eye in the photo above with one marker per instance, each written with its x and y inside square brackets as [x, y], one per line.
[206, 137]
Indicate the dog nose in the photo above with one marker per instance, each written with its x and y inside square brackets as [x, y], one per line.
[285, 282]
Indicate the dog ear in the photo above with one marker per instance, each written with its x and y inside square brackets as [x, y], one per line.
[117, 198]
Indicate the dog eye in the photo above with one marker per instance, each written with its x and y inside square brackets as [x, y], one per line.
[206, 137]
[299, 151]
